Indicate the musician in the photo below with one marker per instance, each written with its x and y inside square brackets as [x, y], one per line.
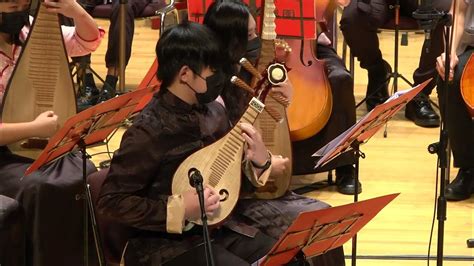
[458, 121]
[359, 23]
[53, 215]
[343, 116]
[182, 118]
[236, 29]
[133, 9]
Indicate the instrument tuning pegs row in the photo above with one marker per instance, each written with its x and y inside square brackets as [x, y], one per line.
[241, 84]
[274, 114]
[280, 99]
[283, 45]
[250, 68]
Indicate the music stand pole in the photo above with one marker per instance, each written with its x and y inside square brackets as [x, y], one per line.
[395, 74]
[89, 210]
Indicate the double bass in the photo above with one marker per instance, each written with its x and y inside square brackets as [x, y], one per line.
[41, 80]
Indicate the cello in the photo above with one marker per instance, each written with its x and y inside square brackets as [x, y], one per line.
[467, 85]
[311, 105]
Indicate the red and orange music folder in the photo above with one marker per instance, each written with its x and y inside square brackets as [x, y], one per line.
[316, 232]
[93, 125]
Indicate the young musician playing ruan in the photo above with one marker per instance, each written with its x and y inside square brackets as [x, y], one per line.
[182, 118]
[458, 121]
[53, 215]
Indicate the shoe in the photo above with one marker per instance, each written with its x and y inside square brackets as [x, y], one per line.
[108, 90]
[87, 98]
[377, 87]
[345, 180]
[462, 186]
[419, 110]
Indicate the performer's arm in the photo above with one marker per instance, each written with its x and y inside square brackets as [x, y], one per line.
[458, 29]
[45, 125]
[257, 163]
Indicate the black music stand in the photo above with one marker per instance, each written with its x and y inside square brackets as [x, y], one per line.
[86, 128]
[316, 232]
[360, 133]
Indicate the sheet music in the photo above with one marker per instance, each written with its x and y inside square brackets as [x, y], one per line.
[367, 126]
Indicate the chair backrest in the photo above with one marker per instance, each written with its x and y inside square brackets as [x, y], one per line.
[404, 24]
[114, 235]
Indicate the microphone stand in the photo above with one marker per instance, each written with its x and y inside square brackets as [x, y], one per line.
[195, 179]
[428, 19]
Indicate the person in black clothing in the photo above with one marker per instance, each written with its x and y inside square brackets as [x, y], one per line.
[180, 119]
[133, 9]
[359, 23]
[459, 123]
[242, 40]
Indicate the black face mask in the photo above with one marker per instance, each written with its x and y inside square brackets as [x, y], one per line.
[214, 83]
[12, 23]
[253, 50]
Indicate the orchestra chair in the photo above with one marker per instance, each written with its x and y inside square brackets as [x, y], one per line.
[113, 235]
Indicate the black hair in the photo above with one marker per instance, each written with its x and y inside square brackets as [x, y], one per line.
[187, 44]
[229, 19]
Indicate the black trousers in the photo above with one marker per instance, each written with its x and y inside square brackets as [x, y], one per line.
[134, 8]
[458, 121]
[12, 233]
[229, 248]
[360, 32]
[343, 116]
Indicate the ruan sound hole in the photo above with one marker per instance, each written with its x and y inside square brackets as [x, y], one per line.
[224, 194]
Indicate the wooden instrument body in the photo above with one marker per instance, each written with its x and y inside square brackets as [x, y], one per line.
[275, 134]
[467, 85]
[311, 105]
[312, 101]
[41, 80]
[220, 165]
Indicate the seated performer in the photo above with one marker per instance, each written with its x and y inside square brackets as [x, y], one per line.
[343, 115]
[180, 119]
[133, 9]
[359, 23]
[458, 121]
[53, 216]
[232, 22]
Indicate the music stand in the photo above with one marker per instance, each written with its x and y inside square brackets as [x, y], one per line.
[316, 232]
[89, 127]
[361, 132]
